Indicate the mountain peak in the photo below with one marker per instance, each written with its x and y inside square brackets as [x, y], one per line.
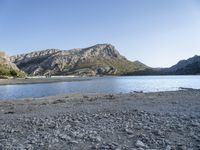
[103, 45]
[101, 50]
[97, 59]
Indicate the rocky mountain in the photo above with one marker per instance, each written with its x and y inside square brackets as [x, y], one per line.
[184, 67]
[101, 59]
[7, 68]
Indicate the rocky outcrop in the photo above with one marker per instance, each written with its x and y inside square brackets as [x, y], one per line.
[101, 59]
[7, 68]
[184, 67]
[6, 62]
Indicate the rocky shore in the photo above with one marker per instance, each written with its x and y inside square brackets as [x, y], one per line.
[136, 121]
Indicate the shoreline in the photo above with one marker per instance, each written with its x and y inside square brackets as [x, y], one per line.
[80, 95]
[54, 79]
[41, 80]
[157, 120]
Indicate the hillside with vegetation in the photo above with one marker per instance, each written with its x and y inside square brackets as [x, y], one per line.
[7, 68]
[101, 59]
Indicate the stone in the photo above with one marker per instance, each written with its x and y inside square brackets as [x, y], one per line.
[73, 142]
[64, 137]
[140, 144]
[168, 147]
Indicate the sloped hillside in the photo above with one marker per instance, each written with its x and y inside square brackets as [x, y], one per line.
[184, 67]
[101, 59]
[7, 68]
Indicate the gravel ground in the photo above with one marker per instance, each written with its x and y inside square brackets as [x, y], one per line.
[132, 121]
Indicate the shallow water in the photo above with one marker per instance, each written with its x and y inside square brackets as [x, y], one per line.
[123, 84]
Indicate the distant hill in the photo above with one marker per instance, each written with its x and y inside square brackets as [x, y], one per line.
[7, 68]
[101, 59]
[190, 66]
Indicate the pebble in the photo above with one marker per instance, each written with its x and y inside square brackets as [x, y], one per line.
[168, 147]
[64, 137]
[73, 142]
[101, 130]
[140, 144]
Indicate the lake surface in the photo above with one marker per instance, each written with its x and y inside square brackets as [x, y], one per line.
[123, 84]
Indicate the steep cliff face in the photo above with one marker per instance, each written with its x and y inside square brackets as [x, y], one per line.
[101, 59]
[183, 67]
[6, 62]
[7, 68]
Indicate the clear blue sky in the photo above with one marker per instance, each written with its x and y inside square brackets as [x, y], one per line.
[156, 32]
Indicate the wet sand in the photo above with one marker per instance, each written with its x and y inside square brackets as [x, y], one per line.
[162, 120]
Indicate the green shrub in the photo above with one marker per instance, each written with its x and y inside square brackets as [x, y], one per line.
[4, 71]
[13, 73]
[7, 72]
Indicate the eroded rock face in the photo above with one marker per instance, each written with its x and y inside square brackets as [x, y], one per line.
[101, 59]
[6, 62]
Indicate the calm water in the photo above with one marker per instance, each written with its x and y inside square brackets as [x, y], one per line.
[101, 85]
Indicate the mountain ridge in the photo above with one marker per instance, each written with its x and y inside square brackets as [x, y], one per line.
[100, 59]
[186, 66]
